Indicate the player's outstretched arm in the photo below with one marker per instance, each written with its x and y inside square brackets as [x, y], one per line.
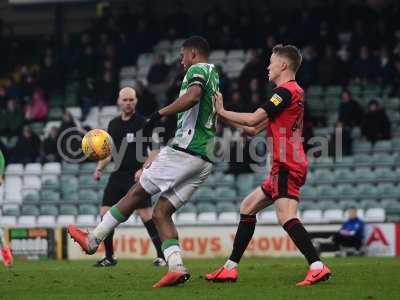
[247, 130]
[184, 102]
[246, 119]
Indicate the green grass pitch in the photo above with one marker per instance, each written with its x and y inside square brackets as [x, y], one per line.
[259, 278]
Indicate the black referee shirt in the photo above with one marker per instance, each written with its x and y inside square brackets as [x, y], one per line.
[130, 131]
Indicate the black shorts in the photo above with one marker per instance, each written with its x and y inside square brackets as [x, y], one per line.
[117, 187]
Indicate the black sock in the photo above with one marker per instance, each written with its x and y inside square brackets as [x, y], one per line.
[153, 233]
[302, 240]
[108, 245]
[243, 236]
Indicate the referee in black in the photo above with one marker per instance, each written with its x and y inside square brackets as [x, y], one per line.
[124, 127]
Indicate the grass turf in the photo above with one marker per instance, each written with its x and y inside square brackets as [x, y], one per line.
[259, 278]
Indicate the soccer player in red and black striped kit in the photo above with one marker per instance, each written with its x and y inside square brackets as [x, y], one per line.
[283, 115]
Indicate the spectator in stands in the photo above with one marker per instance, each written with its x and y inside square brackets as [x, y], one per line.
[326, 68]
[343, 68]
[376, 124]
[27, 149]
[157, 76]
[106, 89]
[365, 67]
[87, 92]
[350, 113]
[351, 234]
[147, 104]
[255, 68]
[308, 69]
[50, 77]
[395, 92]
[87, 62]
[50, 152]
[38, 109]
[13, 118]
[3, 97]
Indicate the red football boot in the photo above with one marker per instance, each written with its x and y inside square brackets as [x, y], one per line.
[223, 274]
[172, 278]
[88, 245]
[7, 256]
[314, 276]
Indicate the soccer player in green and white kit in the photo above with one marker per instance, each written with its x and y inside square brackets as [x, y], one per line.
[4, 249]
[177, 170]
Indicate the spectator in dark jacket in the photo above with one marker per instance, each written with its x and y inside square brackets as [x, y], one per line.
[27, 149]
[50, 152]
[376, 124]
[350, 112]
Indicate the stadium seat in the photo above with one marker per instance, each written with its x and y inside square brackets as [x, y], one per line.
[386, 175]
[323, 176]
[8, 221]
[27, 220]
[88, 209]
[344, 162]
[384, 159]
[48, 210]
[237, 54]
[33, 169]
[308, 191]
[187, 214]
[382, 146]
[206, 213]
[204, 194]
[315, 91]
[363, 160]
[245, 183]
[69, 184]
[374, 215]
[85, 220]
[88, 167]
[63, 220]
[343, 175]
[333, 215]
[55, 113]
[51, 168]
[29, 210]
[68, 168]
[347, 190]
[87, 181]
[50, 184]
[76, 112]
[70, 197]
[268, 216]
[370, 203]
[32, 182]
[393, 211]
[49, 196]
[88, 196]
[327, 191]
[360, 146]
[31, 198]
[387, 190]
[12, 189]
[14, 169]
[364, 175]
[312, 216]
[345, 205]
[68, 209]
[225, 193]
[45, 220]
[367, 191]
[10, 210]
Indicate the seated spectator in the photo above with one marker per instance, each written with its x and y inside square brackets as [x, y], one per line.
[350, 112]
[158, 77]
[365, 67]
[106, 89]
[38, 109]
[13, 118]
[376, 124]
[50, 152]
[351, 234]
[87, 97]
[253, 69]
[27, 149]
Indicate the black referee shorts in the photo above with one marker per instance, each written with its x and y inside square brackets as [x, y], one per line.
[117, 187]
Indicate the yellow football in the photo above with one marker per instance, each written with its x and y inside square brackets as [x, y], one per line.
[97, 144]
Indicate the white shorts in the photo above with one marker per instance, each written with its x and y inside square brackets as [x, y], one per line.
[176, 175]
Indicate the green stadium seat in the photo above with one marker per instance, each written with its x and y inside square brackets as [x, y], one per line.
[383, 159]
[316, 105]
[69, 184]
[363, 160]
[87, 181]
[388, 190]
[50, 184]
[205, 207]
[10, 211]
[324, 205]
[327, 191]
[226, 206]
[226, 180]
[348, 191]
[204, 194]
[245, 183]
[188, 208]
[88, 167]
[392, 104]
[365, 204]
[323, 176]
[49, 196]
[361, 146]
[315, 91]
[56, 100]
[367, 191]
[67, 209]
[386, 174]
[37, 127]
[355, 89]
[32, 197]
[55, 114]
[396, 144]
[344, 175]
[48, 210]
[68, 168]
[346, 204]
[322, 162]
[364, 175]
[70, 197]
[103, 181]
[344, 162]
[225, 193]
[309, 205]
[87, 209]
[393, 211]
[308, 191]
[333, 91]
[383, 146]
[29, 210]
[88, 196]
